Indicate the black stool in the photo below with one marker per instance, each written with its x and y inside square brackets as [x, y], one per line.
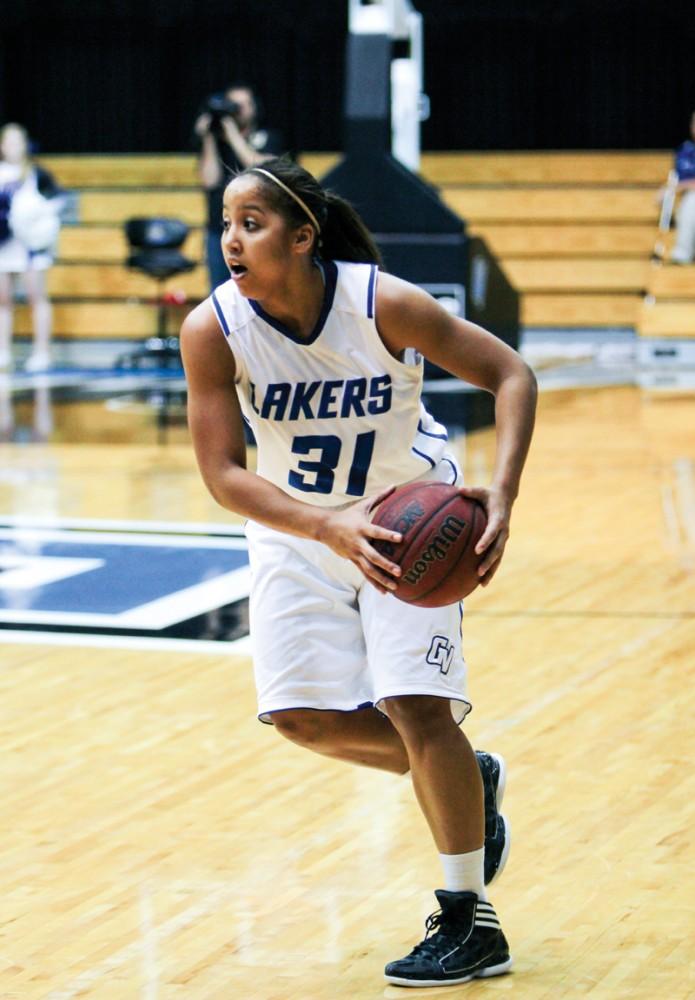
[154, 245]
[154, 250]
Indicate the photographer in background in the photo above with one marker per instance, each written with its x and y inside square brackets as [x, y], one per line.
[684, 249]
[230, 140]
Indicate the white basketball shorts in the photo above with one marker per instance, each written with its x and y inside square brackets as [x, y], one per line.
[324, 638]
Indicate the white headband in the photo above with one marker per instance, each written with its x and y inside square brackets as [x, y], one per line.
[302, 204]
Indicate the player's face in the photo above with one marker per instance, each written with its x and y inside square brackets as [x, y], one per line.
[256, 241]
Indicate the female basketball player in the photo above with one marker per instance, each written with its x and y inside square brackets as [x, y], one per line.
[321, 354]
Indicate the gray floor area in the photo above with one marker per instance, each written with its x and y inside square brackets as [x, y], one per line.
[101, 371]
[562, 358]
[569, 358]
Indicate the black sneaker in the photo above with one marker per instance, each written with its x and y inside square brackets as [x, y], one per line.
[464, 941]
[498, 838]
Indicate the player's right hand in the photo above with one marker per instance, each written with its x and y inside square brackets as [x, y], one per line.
[349, 533]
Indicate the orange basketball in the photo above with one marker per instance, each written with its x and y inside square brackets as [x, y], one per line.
[440, 529]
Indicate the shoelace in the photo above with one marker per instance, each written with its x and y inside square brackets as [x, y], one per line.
[433, 927]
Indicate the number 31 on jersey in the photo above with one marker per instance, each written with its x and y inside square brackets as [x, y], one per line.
[317, 475]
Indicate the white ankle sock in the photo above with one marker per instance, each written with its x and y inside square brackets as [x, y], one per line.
[465, 872]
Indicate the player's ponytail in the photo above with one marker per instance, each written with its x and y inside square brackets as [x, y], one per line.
[344, 235]
[297, 195]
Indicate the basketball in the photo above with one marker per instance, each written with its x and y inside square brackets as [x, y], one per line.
[440, 530]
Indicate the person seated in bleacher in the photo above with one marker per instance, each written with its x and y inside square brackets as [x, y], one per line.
[684, 249]
[230, 140]
[30, 206]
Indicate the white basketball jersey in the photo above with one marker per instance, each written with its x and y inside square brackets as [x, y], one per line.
[335, 417]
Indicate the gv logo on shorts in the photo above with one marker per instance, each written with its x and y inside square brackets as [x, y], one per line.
[441, 653]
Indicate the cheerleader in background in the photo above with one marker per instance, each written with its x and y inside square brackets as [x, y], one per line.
[30, 206]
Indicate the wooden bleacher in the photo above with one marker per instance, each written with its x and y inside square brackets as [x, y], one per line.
[94, 295]
[573, 231]
[668, 309]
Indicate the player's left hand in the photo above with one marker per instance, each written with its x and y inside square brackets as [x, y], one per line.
[498, 508]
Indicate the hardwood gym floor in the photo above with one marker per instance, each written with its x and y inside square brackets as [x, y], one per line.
[158, 842]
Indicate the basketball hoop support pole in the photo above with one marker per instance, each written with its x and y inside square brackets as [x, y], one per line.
[384, 101]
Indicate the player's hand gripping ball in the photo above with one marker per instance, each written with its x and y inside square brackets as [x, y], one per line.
[440, 529]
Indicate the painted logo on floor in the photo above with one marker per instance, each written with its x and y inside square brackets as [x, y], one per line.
[166, 584]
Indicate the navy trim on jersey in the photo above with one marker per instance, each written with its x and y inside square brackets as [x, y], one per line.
[429, 434]
[422, 455]
[220, 315]
[453, 469]
[331, 273]
[371, 291]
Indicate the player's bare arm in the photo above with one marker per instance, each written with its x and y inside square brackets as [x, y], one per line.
[217, 430]
[408, 317]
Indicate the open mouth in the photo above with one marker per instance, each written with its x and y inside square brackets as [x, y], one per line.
[238, 270]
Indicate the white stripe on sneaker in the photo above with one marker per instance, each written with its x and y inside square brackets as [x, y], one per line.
[485, 915]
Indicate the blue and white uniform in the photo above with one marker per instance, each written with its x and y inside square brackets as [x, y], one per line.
[684, 247]
[40, 215]
[336, 417]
